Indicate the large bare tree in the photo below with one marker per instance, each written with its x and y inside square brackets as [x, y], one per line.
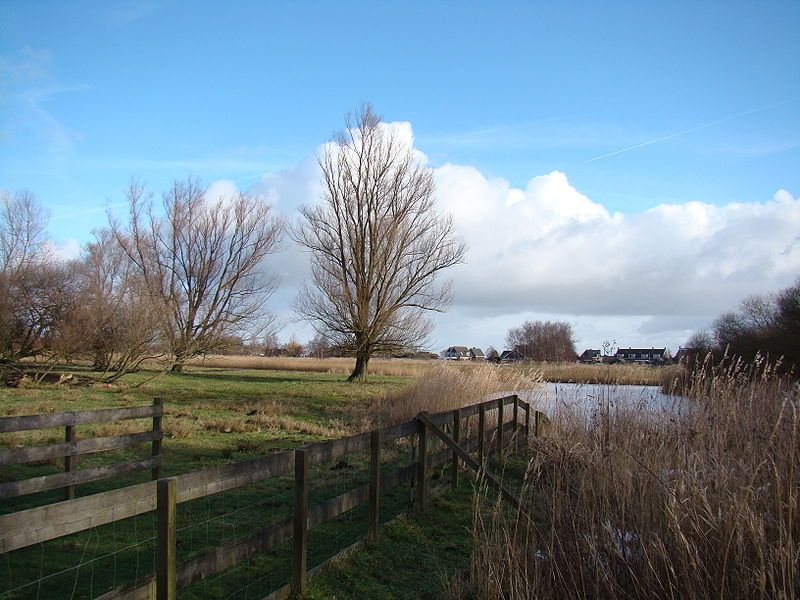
[376, 242]
[203, 261]
[549, 341]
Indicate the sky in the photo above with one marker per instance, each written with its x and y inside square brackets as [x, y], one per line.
[632, 168]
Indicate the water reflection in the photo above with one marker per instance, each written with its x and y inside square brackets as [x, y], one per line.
[552, 398]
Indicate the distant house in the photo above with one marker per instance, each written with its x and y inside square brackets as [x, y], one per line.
[691, 356]
[456, 353]
[590, 356]
[684, 354]
[511, 356]
[643, 355]
[476, 354]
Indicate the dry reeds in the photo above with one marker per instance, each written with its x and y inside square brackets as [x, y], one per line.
[449, 387]
[564, 372]
[701, 503]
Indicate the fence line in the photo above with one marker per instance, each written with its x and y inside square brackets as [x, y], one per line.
[72, 447]
[31, 526]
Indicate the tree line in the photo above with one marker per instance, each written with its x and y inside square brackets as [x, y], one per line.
[188, 275]
[763, 325]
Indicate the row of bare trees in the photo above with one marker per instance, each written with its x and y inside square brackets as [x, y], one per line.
[177, 285]
[183, 278]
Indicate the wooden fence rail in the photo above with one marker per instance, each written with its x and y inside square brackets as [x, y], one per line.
[35, 525]
[71, 448]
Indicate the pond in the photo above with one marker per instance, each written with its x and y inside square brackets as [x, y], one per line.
[552, 398]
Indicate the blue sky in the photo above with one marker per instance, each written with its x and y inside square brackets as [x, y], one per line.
[95, 93]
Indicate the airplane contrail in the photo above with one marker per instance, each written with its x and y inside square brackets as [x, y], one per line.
[690, 130]
[88, 211]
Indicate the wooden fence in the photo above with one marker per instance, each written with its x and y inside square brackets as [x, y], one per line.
[32, 526]
[71, 448]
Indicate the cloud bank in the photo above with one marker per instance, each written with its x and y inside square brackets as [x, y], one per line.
[548, 250]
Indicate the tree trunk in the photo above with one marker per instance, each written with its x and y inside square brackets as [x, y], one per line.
[177, 365]
[360, 372]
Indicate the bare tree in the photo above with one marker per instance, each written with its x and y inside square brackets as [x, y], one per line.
[23, 222]
[33, 288]
[319, 347]
[766, 325]
[120, 318]
[543, 340]
[377, 244]
[203, 263]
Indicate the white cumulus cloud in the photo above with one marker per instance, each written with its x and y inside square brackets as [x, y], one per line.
[548, 249]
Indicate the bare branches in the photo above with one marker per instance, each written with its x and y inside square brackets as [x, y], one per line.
[543, 340]
[203, 263]
[376, 242]
[34, 298]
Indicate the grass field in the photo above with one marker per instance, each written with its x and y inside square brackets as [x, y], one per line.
[214, 416]
[564, 372]
[225, 413]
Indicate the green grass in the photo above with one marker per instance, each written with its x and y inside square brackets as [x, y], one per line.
[206, 417]
[414, 557]
[215, 416]
[218, 416]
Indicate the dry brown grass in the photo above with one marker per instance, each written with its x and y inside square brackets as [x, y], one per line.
[397, 367]
[566, 372]
[619, 374]
[629, 504]
[178, 428]
[450, 386]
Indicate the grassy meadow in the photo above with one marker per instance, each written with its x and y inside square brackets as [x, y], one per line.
[563, 372]
[215, 415]
[624, 504]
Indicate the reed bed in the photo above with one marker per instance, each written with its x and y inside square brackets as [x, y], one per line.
[448, 387]
[700, 503]
[564, 372]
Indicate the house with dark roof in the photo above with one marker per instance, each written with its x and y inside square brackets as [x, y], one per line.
[476, 354]
[643, 355]
[511, 356]
[456, 353]
[590, 356]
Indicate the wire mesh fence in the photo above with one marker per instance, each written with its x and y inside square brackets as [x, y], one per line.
[234, 524]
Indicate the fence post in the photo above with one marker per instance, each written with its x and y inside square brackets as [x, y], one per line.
[299, 556]
[515, 433]
[69, 460]
[481, 434]
[156, 447]
[500, 406]
[374, 481]
[412, 459]
[422, 465]
[527, 422]
[537, 427]
[457, 440]
[166, 588]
